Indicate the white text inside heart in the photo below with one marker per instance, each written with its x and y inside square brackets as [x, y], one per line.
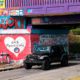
[15, 46]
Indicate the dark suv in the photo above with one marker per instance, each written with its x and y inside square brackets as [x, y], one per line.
[44, 55]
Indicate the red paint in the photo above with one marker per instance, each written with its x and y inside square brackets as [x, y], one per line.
[21, 55]
[36, 21]
[13, 21]
[34, 39]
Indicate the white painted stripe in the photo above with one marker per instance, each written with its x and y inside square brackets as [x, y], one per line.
[14, 31]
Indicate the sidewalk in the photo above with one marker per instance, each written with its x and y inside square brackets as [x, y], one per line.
[4, 67]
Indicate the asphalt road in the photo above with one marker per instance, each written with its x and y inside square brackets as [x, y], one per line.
[20, 73]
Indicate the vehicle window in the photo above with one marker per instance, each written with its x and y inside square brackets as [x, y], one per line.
[42, 49]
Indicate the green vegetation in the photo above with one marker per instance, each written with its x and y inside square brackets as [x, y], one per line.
[74, 39]
[76, 31]
[74, 47]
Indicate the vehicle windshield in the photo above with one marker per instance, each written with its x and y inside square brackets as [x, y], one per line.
[48, 49]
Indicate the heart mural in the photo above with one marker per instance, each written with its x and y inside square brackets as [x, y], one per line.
[16, 46]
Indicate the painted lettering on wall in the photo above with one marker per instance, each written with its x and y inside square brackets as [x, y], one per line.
[15, 46]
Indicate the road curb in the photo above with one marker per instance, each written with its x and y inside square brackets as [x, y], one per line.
[10, 67]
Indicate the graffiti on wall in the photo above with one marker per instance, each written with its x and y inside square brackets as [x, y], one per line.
[2, 3]
[13, 12]
[3, 12]
[48, 39]
[11, 22]
[17, 46]
[52, 39]
[16, 12]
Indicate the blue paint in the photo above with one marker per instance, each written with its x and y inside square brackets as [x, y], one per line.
[19, 24]
[3, 19]
[25, 24]
[29, 10]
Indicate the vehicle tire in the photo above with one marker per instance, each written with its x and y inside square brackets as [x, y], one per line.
[64, 61]
[45, 65]
[27, 66]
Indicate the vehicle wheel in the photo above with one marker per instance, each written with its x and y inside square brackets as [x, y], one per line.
[45, 65]
[27, 66]
[64, 61]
